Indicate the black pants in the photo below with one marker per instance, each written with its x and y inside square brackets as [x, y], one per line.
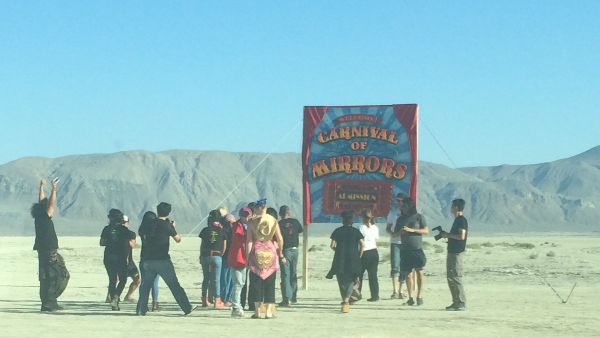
[346, 284]
[116, 267]
[262, 290]
[370, 261]
[53, 276]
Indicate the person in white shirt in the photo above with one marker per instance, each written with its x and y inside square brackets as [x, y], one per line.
[370, 257]
[395, 245]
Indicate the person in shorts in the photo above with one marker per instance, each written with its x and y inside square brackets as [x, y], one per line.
[132, 270]
[411, 227]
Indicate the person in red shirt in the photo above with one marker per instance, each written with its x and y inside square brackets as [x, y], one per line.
[237, 259]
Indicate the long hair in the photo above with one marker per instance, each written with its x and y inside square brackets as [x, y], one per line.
[410, 206]
[38, 209]
[148, 217]
[367, 217]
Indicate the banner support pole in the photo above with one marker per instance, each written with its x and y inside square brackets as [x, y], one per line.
[305, 258]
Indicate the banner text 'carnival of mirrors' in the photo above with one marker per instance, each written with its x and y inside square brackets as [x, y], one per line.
[357, 162]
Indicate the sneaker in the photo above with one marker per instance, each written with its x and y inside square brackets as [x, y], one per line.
[114, 304]
[419, 301]
[457, 307]
[192, 310]
[294, 300]
[401, 296]
[285, 304]
[410, 302]
[47, 309]
[237, 313]
[373, 299]
[395, 296]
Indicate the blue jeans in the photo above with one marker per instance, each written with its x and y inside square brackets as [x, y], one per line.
[226, 283]
[165, 269]
[289, 274]
[154, 286]
[211, 269]
[395, 261]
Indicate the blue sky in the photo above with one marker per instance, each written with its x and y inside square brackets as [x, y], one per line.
[497, 82]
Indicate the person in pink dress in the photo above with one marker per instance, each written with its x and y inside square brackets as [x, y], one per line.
[263, 258]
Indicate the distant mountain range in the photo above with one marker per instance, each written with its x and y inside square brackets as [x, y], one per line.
[560, 195]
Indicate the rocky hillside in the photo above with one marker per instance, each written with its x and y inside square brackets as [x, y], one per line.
[560, 195]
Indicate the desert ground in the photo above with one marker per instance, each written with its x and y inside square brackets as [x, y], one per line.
[506, 295]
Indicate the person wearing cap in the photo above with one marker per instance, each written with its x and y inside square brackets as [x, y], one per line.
[398, 280]
[237, 260]
[262, 253]
[118, 241]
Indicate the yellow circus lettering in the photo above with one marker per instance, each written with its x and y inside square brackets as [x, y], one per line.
[352, 132]
[400, 172]
[392, 139]
[319, 169]
[345, 132]
[344, 164]
[387, 167]
[334, 135]
[374, 131]
[334, 167]
[382, 134]
[321, 137]
[372, 164]
[349, 164]
[358, 163]
[365, 131]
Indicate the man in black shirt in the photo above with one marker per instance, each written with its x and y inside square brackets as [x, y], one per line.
[290, 231]
[155, 253]
[53, 274]
[457, 243]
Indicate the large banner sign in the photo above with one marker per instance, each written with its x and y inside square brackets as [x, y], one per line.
[357, 157]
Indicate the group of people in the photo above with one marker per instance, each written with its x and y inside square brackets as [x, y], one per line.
[356, 252]
[240, 257]
[251, 248]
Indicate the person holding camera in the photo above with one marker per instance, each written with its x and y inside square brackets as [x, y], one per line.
[457, 243]
[156, 237]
